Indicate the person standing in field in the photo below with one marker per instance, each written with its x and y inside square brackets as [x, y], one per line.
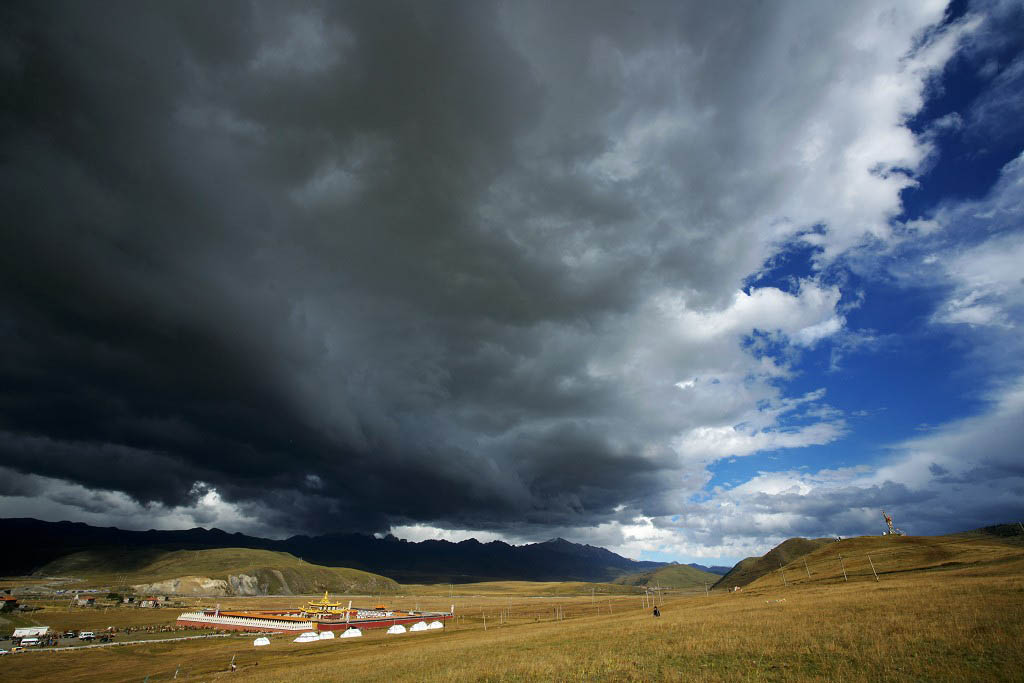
[657, 612]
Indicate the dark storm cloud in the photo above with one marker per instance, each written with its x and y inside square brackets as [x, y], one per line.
[243, 245]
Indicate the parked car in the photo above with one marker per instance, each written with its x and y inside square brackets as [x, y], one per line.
[29, 642]
[16, 650]
[86, 635]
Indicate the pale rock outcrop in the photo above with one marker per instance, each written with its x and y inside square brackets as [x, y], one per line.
[243, 584]
[186, 585]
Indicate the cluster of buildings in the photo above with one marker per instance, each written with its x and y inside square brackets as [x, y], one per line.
[316, 615]
[149, 601]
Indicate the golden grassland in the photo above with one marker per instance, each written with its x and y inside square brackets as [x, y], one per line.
[60, 618]
[938, 612]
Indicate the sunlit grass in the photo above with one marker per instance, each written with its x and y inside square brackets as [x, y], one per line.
[960, 616]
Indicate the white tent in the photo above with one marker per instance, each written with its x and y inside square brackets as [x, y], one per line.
[261, 641]
[419, 626]
[30, 631]
[351, 633]
[435, 624]
[397, 628]
[326, 635]
[307, 637]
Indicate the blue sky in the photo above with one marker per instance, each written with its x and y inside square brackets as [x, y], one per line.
[677, 279]
[919, 375]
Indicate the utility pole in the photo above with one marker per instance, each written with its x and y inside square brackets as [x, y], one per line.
[807, 569]
[873, 568]
[844, 567]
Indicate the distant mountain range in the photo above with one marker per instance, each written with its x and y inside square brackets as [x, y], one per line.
[29, 544]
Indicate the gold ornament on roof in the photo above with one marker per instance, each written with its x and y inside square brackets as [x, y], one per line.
[324, 605]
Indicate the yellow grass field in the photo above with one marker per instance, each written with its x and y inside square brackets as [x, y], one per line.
[60, 618]
[957, 616]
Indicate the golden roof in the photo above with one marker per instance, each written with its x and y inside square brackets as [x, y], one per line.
[322, 605]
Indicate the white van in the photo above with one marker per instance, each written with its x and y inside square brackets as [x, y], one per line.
[87, 635]
[29, 642]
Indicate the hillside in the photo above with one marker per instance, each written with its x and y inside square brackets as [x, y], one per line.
[864, 557]
[752, 568]
[222, 571]
[679, 576]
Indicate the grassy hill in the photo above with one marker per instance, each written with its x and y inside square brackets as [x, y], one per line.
[866, 556]
[221, 571]
[679, 576]
[753, 568]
